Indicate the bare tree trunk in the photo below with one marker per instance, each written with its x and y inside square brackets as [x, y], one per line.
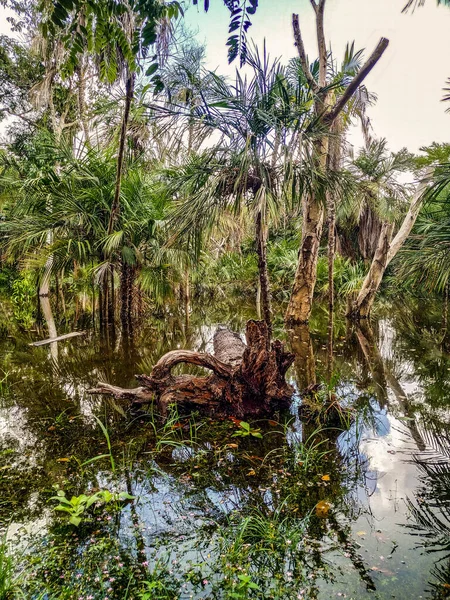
[261, 244]
[364, 302]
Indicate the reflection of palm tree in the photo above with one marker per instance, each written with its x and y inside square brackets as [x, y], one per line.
[431, 511]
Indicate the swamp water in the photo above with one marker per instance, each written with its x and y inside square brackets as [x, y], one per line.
[274, 509]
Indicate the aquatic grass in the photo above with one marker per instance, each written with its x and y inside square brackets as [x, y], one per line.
[10, 580]
[160, 584]
[108, 441]
[5, 386]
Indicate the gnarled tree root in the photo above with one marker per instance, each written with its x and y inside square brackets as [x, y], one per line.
[246, 379]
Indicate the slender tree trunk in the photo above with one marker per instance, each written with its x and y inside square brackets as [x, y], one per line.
[333, 164]
[124, 312]
[261, 243]
[111, 296]
[127, 277]
[115, 208]
[187, 296]
[81, 72]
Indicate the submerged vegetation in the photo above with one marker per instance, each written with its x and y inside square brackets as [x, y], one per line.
[153, 214]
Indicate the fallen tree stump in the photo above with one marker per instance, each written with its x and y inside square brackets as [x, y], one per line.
[246, 379]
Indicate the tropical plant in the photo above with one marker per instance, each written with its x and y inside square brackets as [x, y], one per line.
[78, 506]
[258, 119]
[424, 261]
[385, 202]
[327, 111]
[82, 191]
[9, 580]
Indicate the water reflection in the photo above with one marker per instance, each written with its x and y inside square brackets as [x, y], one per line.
[384, 478]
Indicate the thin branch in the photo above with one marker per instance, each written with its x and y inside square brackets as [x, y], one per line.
[323, 55]
[21, 116]
[357, 81]
[302, 53]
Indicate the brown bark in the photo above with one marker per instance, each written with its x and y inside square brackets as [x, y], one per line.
[246, 379]
[261, 249]
[305, 365]
[300, 303]
[369, 229]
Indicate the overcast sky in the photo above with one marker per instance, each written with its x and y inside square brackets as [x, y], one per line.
[409, 79]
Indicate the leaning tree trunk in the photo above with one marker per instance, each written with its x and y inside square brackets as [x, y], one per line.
[386, 251]
[246, 379]
[366, 297]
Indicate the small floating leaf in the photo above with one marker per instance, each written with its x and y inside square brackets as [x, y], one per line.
[322, 509]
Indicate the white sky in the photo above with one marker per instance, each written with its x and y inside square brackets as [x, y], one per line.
[409, 79]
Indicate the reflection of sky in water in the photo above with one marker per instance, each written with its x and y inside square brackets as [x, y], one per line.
[379, 446]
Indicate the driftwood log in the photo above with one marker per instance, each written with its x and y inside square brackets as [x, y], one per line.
[246, 379]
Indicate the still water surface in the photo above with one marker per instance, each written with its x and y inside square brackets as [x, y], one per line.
[385, 479]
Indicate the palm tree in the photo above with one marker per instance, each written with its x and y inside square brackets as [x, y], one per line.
[326, 111]
[416, 3]
[425, 259]
[118, 36]
[245, 170]
[387, 201]
[82, 192]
